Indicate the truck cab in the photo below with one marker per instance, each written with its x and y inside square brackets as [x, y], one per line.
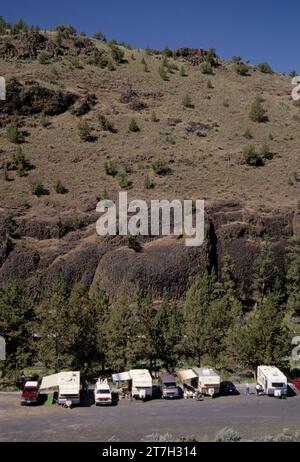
[103, 394]
[30, 393]
[168, 387]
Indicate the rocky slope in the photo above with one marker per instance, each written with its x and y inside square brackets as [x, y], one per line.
[54, 234]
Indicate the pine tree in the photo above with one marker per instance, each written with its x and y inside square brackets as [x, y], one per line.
[169, 320]
[293, 274]
[100, 305]
[262, 269]
[52, 326]
[16, 316]
[120, 332]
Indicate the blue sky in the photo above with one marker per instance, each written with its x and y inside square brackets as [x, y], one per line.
[257, 30]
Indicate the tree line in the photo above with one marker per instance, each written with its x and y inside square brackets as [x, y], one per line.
[214, 324]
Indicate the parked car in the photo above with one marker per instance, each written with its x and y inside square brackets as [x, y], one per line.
[228, 388]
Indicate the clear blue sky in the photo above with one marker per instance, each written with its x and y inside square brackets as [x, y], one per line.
[258, 30]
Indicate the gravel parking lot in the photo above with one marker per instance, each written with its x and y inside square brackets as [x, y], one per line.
[130, 421]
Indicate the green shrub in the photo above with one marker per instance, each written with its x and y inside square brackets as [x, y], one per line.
[14, 135]
[110, 66]
[248, 135]
[265, 152]
[110, 168]
[133, 126]
[170, 139]
[37, 188]
[148, 183]
[98, 35]
[167, 52]
[226, 103]
[293, 74]
[160, 167]
[20, 163]
[227, 435]
[182, 71]
[257, 111]
[242, 69]
[43, 57]
[206, 68]
[60, 188]
[236, 59]
[187, 102]
[117, 53]
[210, 84]
[123, 181]
[85, 131]
[265, 68]
[252, 157]
[106, 125]
[162, 72]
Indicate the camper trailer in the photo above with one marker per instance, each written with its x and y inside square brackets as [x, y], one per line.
[140, 382]
[103, 394]
[272, 381]
[68, 385]
[203, 379]
[168, 387]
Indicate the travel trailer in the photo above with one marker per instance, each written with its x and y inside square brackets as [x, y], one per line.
[272, 381]
[68, 384]
[168, 387]
[103, 394]
[30, 393]
[140, 382]
[204, 379]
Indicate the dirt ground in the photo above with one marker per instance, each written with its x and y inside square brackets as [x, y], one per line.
[252, 416]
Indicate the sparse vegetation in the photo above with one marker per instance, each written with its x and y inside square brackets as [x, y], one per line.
[43, 58]
[59, 187]
[163, 73]
[110, 168]
[14, 135]
[85, 131]
[206, 68]
[37, 188]
[123, 181]
[133, 126]
[252, 157]
[242, 69]
[248, 135]
[117, 53]
[182, 71]
[265, 152]
[210, 85]
[106, 124]
[187, 102]
[265, 68]
[148, 183]
[257, 111]
[20, 163]
[154, 117]
[161, 167]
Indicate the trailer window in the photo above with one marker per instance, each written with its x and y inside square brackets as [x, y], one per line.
[103, 391]
[278, 385]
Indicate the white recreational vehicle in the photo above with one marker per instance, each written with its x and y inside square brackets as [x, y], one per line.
[103, 394]
[68, 384]
[204, 379]
[140, 382]
[272, 381]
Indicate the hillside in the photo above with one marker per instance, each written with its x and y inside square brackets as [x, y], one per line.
[202, 141]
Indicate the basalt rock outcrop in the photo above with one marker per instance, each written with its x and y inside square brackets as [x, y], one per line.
[161, 264]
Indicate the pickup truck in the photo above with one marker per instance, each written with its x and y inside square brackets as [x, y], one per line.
[30, 393]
